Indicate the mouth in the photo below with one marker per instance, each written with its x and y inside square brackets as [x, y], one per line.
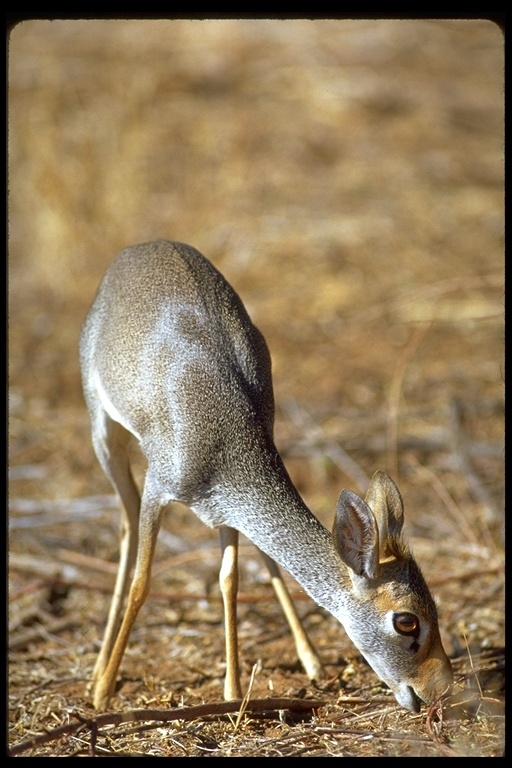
[408, 699]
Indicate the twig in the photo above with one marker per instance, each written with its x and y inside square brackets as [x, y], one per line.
[394, 395]
[47, 626]
[473, 667]
[431, 293]
[460, 451]
[166, 716]
[47, 569]
[247, 696]
[466, 576]
[455, 511]
[434, 732]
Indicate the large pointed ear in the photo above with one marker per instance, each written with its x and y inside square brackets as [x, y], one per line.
[356, 536]
[383, 498]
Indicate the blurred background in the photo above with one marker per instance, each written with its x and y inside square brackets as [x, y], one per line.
[346, 176]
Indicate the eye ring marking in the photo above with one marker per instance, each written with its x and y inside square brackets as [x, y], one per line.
[406, 624]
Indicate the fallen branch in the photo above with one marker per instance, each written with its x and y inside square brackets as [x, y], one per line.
[165, 716]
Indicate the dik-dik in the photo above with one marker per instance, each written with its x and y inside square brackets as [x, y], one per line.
[170, 356]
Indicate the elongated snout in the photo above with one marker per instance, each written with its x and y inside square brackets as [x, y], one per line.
[433, 680]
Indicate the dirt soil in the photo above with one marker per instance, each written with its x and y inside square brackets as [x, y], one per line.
[347, 178]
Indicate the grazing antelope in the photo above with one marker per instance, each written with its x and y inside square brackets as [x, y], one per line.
[170, 356]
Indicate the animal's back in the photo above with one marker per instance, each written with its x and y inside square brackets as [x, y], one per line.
[169, 343]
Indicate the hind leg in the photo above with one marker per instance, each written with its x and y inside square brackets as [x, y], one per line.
[110, 442]
[152, 506]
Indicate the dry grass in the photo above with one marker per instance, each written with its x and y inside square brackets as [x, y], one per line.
[347, 178]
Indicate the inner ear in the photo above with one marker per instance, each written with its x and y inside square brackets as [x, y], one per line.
[356, 535]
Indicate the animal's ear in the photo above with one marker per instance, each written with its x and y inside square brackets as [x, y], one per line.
[383, 498]
[356, 535]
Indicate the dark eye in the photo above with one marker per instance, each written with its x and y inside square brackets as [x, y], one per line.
[406, 624]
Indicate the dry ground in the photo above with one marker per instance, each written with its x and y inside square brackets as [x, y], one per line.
[346, 176]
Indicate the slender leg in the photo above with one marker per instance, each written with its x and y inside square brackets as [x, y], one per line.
[228, 579]
[305, 650]
[111, 441]
[150, 516]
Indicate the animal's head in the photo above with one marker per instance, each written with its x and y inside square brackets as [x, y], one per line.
[392, 617]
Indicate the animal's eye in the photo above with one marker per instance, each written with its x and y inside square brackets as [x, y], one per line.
[406, 624]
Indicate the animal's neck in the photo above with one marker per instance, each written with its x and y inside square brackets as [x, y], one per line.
[275, 518]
